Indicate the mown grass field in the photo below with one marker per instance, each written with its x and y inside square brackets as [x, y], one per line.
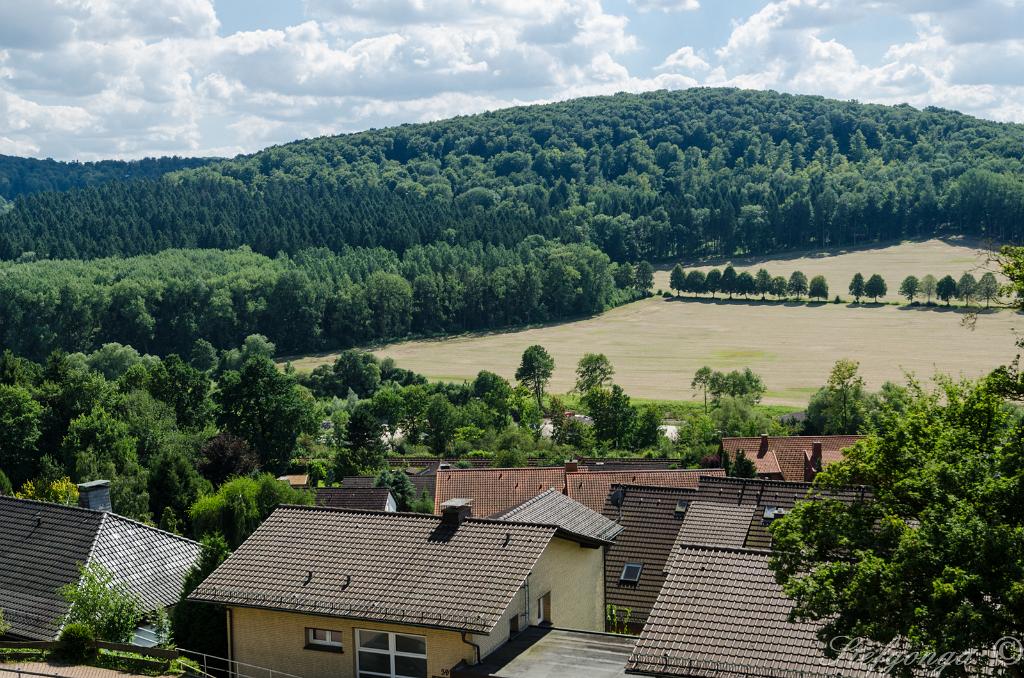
[657, 344]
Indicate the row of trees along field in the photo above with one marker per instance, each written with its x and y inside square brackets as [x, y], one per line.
[641, 176]
[967, 288]
[176, 300]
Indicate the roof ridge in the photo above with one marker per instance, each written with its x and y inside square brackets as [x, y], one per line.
[151, 528]
[718, 547]
[635, 470]
[409, 514]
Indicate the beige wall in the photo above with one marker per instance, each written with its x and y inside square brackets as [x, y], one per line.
[277, 640]
[574, 575]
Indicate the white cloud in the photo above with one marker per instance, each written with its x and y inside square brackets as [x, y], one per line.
[683, 59]
[665, 5]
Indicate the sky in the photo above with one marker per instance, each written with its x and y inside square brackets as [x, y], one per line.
[94, 79]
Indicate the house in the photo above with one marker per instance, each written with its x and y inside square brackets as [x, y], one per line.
[554, 508]
[422, 483]
[43, 546]
[721, 613]
[650, 518]
[367, 498]
[323, 592]
[790, 458]
[496, 490]
[298, 481]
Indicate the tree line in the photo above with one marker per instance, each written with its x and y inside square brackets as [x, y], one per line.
[179, 301]
[648, 176]
[967, 288]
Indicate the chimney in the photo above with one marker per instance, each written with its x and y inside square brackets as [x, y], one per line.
[763, 450]
[571, 466]
[816, 456]
[95, 494]
[455, 511]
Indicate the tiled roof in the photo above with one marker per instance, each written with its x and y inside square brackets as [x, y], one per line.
[777, 493]
[496, 490]
[367, 498]
[715, 524]
[721, 613]
[783, 456]
[391, 567]
[591, 488]
[554, 508]
[422, 483]
[42, 546]
[650, 525]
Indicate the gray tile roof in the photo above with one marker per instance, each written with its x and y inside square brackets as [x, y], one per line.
[367, 498]
[422, 483]
[778, 493]
[715, 524]
[42, 546]
[554, 508]
[721, 613]
[391, 567]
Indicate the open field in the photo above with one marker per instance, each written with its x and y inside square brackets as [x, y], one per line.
[894, 263]
[657, 344]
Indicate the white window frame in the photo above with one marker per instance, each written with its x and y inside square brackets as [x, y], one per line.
[391, 653]
[333, 638]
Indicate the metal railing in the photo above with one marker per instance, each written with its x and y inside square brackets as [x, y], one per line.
[212, 666]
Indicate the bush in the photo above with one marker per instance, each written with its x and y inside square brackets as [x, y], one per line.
[77, 644]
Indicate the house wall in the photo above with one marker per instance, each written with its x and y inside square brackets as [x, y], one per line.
[574, 575]
[277, 640]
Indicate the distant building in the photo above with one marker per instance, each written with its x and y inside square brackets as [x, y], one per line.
[364, 498]
[298, 481]
[43, 545]
[327, 593]
[790, 458]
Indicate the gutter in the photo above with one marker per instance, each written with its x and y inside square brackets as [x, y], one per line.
[476, 648]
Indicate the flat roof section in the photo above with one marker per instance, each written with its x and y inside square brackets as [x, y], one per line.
[544, 652]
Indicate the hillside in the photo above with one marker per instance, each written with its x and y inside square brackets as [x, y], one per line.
[646, 176]
[22, 176]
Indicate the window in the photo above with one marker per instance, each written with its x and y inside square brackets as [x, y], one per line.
[391, 655]
[631, 573]
[681, 507]
[544, 609]
[323, 639]
[771, 513]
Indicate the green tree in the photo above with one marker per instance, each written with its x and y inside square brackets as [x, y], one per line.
[644, 277]
[103, 604]
[646, 428]
[875, 287]
[401, 488]
[797, 285]
[265, 407]
[745, 284]
[535, 370]
[728, 282]
[934, 560]
[988, 288]
[713, 281]
[909, 288]
[240, 505]
[838, 409]
[225, 456]
[946, 289]
[363, 451]
[202, 627]
[441, 422]
[174, 483]
[743, 467]
[966, 288]
[613, 416]
[203, 356]
[818, 288]
[929, 286]
[702, 382]
[184, 388]
[20, 422]
[857, 287]
[677, 279]
[695, 282]
[594, 370]
[762, 282]
[779, 287]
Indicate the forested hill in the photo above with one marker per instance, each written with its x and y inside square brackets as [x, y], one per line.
[21, 176]
[645, 176]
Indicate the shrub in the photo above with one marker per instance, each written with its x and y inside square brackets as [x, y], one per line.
[77, 644]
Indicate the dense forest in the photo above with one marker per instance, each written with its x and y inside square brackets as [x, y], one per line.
[21, 176]
[317, 299]
[642, 176]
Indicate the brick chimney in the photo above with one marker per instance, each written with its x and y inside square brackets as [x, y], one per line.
[763, 449]
[95, 494]
[571, 466]
[816, 456]
[455, 511]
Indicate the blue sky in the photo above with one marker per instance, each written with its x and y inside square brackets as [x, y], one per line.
[90, 79]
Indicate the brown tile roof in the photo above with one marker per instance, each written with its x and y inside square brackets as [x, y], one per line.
[422, 483]
[778, 493]
[390, 567]
[721, 613]
[554, 508]
[366, 498]
[496, 490]
[650, 524]
[591, 488]
[42, 546]
[715, 524]
[783, 456]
